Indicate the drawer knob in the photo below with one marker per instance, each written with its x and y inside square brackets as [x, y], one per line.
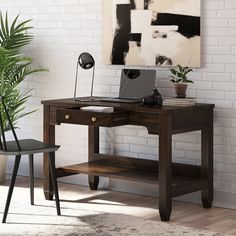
[94, 119]
[67, 117]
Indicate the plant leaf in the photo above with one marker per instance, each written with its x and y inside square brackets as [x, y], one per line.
[14, 36]
[173, 71]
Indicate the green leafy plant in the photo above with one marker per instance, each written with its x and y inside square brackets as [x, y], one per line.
[14, 68]
[14, 36]
[179, 75]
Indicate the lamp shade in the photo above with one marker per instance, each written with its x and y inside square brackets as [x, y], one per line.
[86, 60]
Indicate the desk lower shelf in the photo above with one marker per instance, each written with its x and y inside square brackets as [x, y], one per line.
[185, 178]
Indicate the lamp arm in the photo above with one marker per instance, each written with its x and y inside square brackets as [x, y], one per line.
[76, 79]
[91, 94]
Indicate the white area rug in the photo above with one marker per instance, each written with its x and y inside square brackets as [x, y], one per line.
[41, 219]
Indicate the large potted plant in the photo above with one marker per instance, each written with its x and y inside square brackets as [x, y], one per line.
[180, 80]
[14, 68]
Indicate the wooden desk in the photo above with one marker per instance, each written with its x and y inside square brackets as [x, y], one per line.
[173, 179]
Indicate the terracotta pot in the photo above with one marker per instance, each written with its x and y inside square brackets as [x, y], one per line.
[180, 90]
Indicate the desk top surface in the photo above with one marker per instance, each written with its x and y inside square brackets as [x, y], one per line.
[70, 102]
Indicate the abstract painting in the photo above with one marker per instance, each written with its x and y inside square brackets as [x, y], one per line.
[151, 32]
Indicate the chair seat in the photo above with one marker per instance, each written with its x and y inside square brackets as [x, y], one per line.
[28, 146]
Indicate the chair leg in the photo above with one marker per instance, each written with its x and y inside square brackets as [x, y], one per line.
[13, 180]
[54, 180]
[31, 175]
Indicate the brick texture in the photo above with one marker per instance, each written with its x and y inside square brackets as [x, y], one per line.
[63, 29]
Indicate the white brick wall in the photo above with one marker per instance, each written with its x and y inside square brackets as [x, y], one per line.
[65, 28]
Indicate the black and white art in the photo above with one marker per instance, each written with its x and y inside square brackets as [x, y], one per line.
[151, 32]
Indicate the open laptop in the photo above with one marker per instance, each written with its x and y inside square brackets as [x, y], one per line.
[134, 85]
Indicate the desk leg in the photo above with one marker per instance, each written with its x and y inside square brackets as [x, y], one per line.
[165, 168]
[48, 137]
[207, 162]
[93, 147]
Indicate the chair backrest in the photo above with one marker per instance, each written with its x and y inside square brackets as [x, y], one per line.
[4, 109]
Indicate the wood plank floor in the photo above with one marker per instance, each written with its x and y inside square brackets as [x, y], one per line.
[193, 215]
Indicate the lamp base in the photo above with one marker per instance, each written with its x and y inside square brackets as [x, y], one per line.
[86, 99]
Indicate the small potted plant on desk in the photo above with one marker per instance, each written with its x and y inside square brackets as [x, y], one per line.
[14, 68]
[180, 80]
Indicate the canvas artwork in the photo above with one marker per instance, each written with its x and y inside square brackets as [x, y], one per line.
[151, 32]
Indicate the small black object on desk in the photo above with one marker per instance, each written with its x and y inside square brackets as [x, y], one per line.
[154, 99]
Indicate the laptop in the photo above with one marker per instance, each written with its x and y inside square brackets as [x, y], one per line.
[134, 85]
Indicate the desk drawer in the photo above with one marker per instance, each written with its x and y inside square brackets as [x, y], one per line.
[76, 116]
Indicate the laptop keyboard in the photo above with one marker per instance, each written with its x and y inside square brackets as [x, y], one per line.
[125, 100]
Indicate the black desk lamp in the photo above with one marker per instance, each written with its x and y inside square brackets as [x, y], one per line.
[86, 61]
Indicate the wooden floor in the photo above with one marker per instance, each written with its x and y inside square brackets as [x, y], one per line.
[214, 219]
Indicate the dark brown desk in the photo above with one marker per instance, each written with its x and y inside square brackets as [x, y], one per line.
[173, 179]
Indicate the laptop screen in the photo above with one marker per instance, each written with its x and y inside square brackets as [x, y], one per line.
[135, 84]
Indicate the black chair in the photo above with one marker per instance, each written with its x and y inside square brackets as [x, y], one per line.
[22, 147]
